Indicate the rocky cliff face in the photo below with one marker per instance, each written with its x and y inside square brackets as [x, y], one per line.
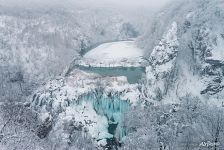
[162, 65]
[199, 61]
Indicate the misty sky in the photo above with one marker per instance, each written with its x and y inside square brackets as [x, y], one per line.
[122, 3]
[152, 3]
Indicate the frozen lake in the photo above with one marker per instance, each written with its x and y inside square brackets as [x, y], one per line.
[122, 58]
[113, 54]
[115, 51]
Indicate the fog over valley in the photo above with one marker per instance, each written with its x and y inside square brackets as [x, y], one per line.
[111, 74]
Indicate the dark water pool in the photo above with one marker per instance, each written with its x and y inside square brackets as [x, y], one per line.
[133, 74]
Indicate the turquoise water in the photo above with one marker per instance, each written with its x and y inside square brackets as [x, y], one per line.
[133, 74]
[113, 108]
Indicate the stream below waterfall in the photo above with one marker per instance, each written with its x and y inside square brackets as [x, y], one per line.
[113, 108]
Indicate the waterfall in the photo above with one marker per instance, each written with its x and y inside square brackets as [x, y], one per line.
[112, 107]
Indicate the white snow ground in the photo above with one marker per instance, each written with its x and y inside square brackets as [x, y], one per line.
[114, 54]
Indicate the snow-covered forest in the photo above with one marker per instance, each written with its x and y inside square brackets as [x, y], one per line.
[131, 75]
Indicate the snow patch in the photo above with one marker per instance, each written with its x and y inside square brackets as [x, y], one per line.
[218, 52]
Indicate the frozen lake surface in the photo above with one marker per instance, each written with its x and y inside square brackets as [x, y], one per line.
[113, 54]
[114, 59]
[115, 51]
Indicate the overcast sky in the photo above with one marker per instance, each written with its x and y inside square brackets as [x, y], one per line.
[122, 3]
[152, 3]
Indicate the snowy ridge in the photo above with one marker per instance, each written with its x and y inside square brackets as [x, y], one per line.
[167, 48]
[39, 44]
[199, 61]
[163, 59]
